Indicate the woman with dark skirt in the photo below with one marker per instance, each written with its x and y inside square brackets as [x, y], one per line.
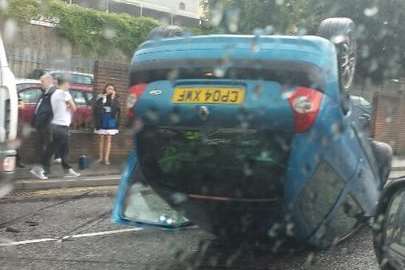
[106, 112]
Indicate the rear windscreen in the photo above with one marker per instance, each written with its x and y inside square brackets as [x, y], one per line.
[285, 74]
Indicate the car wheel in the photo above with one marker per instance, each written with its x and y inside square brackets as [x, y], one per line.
[340, 31]
[166, 32]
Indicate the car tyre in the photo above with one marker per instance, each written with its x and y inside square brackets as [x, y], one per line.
[340, 31]
[169, 31]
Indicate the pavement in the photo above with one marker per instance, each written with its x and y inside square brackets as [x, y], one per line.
[78, 234]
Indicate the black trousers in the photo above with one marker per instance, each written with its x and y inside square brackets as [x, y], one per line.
[59, 144]
[42, 144]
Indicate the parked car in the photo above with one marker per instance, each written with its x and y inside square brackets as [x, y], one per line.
[8, 118]
[29, 92]
[251, 137]
[75, 77]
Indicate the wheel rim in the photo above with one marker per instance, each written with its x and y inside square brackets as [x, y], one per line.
[347, 64]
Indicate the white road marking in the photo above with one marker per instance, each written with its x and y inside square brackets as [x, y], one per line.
[34, 241]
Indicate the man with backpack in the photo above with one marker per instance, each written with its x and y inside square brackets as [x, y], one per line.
[43, 116]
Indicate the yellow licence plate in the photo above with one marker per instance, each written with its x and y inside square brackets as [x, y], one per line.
[210, 95]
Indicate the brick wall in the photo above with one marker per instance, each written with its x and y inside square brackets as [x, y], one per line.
[389, 120]
[82, 142]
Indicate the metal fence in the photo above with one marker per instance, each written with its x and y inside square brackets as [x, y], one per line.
[23, 63]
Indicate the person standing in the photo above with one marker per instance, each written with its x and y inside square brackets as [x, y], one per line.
[106, 113]
[43, 115]
[63, 107]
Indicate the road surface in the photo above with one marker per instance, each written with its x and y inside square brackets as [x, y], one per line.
[79, 234]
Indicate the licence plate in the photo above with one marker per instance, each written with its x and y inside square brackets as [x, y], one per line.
[210, 95]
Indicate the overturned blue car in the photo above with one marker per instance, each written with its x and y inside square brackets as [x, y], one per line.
[252, 137]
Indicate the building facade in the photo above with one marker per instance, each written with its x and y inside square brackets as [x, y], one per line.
[179, 12]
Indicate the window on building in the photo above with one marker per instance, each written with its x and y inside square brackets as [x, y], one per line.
[182, 6]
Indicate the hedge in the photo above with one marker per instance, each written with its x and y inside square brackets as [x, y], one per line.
[93, 32]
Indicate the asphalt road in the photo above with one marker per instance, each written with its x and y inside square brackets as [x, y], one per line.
[147, 249]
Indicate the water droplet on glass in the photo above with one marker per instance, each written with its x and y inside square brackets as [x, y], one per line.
[109, 33]
[10, 30]
[5, 189]
[232, 20]
[217, 14]
[370, 12]
[219, 72]
[279, 2]
[3, 4]
[179, 198]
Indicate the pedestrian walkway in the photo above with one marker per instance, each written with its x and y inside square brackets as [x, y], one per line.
[57, 171]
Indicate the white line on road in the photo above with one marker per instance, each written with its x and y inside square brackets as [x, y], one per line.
[34, 241]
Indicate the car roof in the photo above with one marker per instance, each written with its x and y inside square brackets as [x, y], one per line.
[69, 72]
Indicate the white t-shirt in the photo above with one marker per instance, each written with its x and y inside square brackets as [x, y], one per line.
[61, 114]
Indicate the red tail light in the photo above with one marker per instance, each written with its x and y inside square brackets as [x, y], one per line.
[134, 93]
[305, 103]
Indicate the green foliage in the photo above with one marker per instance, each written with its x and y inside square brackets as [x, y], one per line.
[93, 32]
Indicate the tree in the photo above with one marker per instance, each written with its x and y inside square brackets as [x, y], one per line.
[381, 36]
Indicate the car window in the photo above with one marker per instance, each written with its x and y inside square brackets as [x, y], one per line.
[89, 97]
[30, 95]
[79, 97]
[81, 79]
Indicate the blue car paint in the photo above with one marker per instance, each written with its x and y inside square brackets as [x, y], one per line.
[331, 139]
[272, 98]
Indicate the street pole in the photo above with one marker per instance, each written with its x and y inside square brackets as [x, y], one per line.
[107, 6]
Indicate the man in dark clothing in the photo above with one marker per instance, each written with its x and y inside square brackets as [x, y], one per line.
[42, 125]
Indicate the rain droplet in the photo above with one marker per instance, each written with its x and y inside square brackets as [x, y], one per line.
[279, 2]
[232, 20]
[217, 14]
[10, 30]
[179, 198]
[370, 12]
[109, 33]
[5, 189]
[3, 4]
[219, 72]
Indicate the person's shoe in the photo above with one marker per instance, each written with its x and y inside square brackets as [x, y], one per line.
[57, 160]
[107, 163]
[39, 173]
[72, 173]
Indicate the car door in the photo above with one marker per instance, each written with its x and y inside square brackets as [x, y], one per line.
[369, 184]
[139, 205]
[29, 95]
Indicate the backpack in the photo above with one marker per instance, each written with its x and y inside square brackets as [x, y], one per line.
[43, 114]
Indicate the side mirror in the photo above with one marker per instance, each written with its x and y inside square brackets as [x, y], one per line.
[389, 227]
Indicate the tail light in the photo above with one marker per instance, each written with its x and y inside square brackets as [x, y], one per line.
[134, 93]
[305, 103]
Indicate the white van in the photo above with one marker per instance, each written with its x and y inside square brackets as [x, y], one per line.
[8, 117]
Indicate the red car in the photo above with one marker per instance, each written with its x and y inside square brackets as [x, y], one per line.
[29, 91]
